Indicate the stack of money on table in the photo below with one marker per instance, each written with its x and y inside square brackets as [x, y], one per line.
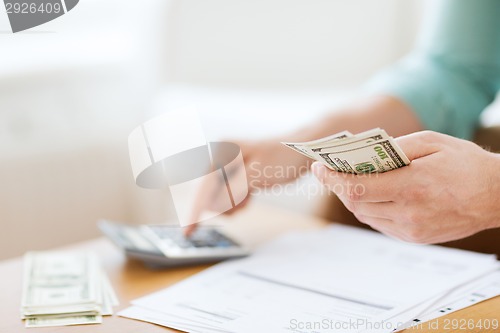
[64, 288]
[367, 152]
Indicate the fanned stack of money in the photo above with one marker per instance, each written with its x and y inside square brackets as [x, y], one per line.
[63, 289]
[367, 152]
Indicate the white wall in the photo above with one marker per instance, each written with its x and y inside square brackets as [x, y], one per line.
[287, 43]
[71, 90]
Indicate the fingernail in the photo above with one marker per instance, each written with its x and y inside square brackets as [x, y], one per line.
[319, 170]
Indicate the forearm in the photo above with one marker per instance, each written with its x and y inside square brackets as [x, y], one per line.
[382, 111]
[493, 211]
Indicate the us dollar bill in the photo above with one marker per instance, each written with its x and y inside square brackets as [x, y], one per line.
[303, 147]
[366, 152]
[64, 288]
[365, 137]
[377, 156]
[50, 321]
[60, 279]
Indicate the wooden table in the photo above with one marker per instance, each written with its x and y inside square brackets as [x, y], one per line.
[253, 226]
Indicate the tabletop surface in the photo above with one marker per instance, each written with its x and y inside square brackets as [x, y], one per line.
[253, 226]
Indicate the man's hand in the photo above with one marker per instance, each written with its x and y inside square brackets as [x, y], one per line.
[266, 163]
[450, 190]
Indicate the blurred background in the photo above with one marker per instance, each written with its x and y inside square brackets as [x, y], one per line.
[71, 91]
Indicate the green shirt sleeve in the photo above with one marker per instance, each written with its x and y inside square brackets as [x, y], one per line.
[453, 73]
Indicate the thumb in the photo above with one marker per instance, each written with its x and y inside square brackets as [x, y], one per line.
[420, 144]
[326, 177]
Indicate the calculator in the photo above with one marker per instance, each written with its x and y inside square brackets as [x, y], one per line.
[165, 245]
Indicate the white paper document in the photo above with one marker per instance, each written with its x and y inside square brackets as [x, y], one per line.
[485, 287]
[335, 279]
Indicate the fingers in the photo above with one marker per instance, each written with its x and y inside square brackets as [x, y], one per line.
[375, 222]
[189, 230]
[242, 204]
[385, 226]
[206, 194]
[384, 210]
[420, 144]
[373, 187]
[377, 187]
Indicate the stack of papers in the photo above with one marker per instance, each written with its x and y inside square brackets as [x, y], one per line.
[335, 279]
